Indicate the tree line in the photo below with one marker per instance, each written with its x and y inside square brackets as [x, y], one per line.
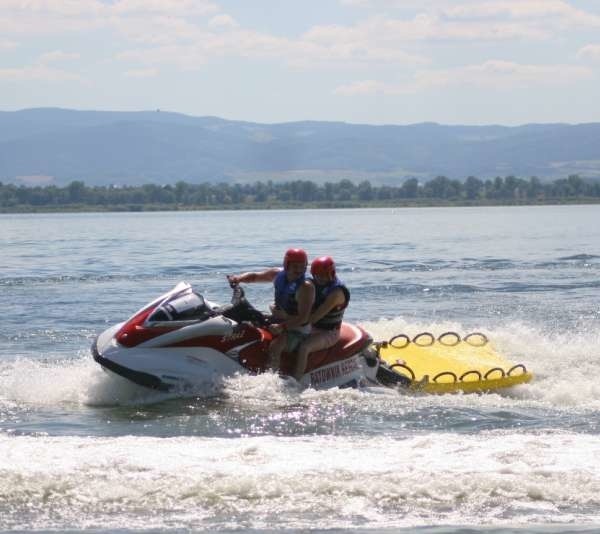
[472, 191]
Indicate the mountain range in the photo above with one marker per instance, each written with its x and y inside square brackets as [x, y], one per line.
[49, 145]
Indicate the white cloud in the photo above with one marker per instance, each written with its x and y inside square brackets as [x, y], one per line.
[58, 7]
[41, 73]
[492, 74]
[355, 2]
[308, 53]
[141, 73]
[158, 30]
[183, 57]
[524, 9]
[72, 8]
[364, 87]
[391, 33]
[165, 7]
[589, 52]
[154, 32]
[223, 21]
[301, 53]
[482, 19]
[57, 16]
[395, 4]
[504, 75]
[172, 21]
[488, 9]
[57, 56]
[377, 40]
[210, 45]
[8, 45]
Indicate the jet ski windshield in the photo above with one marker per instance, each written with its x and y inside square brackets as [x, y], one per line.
[187, 307]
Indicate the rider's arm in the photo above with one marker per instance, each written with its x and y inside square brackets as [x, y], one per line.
[251, 277]
[335, 298]
[306, 299]
[279, 314]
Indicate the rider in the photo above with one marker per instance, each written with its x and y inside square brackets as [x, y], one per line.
[294, 298]
[332, 298]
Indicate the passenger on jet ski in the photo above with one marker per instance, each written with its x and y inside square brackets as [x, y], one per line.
[331, 300]
[294, 298]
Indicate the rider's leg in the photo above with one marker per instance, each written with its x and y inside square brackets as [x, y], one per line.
[318, 340]
[275, 349]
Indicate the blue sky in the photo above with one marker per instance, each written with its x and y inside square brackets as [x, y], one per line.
[362, 61]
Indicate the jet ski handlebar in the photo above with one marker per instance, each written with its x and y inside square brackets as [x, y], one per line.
[241, 310]
[238, 294]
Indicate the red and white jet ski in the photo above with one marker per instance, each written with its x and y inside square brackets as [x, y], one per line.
[182, 341]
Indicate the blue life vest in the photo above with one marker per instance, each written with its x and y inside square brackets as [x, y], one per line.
[333, 319]
[285, 292]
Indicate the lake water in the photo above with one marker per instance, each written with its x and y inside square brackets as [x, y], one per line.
[80, 449]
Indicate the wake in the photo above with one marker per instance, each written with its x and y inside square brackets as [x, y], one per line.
[565, 367]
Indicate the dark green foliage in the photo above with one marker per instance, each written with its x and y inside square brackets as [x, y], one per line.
[297, 194]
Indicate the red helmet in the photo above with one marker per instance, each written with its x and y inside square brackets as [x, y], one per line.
[294, 254]
[323, 267]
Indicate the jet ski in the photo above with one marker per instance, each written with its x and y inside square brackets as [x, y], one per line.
[182, 341]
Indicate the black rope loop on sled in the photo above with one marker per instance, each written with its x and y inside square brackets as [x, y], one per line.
[404, 337]
[424, 334]
[472, 372]
[515, 367]
[494, 370]
[441, 339]
[445, 373]
[469, 339]
[403, 366]
[401, 341]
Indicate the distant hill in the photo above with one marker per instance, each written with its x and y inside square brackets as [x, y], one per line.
[100, 147]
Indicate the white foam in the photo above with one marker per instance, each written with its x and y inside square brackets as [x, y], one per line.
[493, 478]
[566, 367]
[72, 381]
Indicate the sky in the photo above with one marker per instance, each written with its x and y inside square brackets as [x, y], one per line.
[472, 62]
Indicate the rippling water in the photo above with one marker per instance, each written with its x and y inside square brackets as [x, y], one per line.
[82, 450]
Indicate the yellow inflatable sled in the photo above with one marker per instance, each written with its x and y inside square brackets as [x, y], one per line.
[447, 364]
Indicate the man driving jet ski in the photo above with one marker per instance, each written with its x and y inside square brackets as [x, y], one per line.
[294, 299]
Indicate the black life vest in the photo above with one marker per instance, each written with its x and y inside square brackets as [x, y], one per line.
[333, 319]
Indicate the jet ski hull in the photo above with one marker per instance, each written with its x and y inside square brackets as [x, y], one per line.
[163, 368]
[199, 355]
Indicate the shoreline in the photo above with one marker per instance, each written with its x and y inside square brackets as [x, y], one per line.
[267, 206]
